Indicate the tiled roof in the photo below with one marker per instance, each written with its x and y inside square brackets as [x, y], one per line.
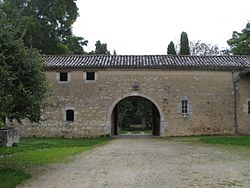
[146, 61]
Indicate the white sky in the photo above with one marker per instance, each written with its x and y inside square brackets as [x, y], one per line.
[142, 27]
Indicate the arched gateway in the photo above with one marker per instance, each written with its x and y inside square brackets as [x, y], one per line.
[158, 120]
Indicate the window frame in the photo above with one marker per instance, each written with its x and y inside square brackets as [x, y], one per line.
[58, 77]
[85, 76]
[90, 75]
[184, 107]
[72, 116]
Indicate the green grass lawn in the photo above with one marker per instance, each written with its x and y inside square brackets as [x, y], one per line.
[227, 140]
[11, 177]
[220, 140]
[16, 162]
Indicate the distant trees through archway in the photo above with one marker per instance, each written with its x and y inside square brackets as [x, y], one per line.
[135, 115]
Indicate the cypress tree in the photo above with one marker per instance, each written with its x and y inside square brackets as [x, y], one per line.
[184, 46]
[171, 49]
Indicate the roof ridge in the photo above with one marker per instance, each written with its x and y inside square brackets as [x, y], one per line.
[147, 61]
[169, 55]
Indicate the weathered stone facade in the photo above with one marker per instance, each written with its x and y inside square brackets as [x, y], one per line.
[209, 95]
[9, 137]
[243, 116]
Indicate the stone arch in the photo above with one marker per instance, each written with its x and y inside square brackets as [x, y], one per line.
[162, 123]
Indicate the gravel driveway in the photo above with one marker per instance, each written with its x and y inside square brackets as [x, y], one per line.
[152, 163]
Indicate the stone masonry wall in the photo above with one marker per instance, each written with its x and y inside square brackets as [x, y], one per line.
[209, 92]
[243, 96]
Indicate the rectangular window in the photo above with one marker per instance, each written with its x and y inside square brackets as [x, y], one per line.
[70, 115]
[184, 107]
[248, 107]
[63, 76]
[90, 75]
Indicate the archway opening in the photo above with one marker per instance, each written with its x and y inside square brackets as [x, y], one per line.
[135, 115]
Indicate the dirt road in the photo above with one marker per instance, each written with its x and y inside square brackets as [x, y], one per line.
[149, 163]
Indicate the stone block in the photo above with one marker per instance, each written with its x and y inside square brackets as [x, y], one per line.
[9, 137]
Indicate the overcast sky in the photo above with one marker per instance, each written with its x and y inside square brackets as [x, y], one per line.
[142, 27]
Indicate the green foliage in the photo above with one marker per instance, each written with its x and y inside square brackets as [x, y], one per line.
[32, 152]
[2, 124]
[10, 178]
[135, 112]
[184, 44]
[23, 84]
[101, 49]
[75, 45]
[171, 49]
[48, 24]
[240, 41]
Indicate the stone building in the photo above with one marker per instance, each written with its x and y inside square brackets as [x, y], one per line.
[191, 95]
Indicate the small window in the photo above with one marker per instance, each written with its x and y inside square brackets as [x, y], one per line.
[184, 107]
[70, 115]
[248, 107]
[63, 76]
[90, 75]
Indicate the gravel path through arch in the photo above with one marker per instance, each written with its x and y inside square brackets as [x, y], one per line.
[148, 163]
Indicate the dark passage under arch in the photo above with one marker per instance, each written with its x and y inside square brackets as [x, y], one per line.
[135, 113]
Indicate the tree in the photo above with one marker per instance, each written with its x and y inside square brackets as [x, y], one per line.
[184, 44]
[48, 23]
[240, 41]
[101, 49]
[135, 112]
[171, 49]
[23, 84]
[201, 48]
[75, 45]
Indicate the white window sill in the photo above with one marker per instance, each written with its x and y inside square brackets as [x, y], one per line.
[63, 82]
[90, 81]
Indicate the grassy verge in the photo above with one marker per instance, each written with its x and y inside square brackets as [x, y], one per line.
[16, 162]
[220, 140]
[227, 140]
[11, 177]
